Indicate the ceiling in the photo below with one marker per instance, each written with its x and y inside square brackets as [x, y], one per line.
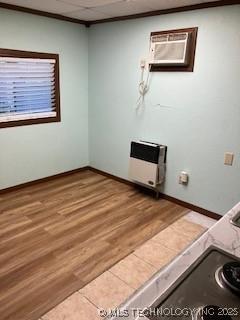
[90, 10]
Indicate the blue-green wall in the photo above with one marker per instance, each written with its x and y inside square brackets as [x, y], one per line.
[32, 152]
[197, 115]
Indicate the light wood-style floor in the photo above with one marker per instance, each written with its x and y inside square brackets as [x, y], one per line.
[57, 236]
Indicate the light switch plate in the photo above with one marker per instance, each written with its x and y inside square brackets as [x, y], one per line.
[228, 158]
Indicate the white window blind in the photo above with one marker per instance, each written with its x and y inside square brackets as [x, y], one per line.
[27, 88]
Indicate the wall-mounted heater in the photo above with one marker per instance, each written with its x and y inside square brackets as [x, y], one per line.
[170, 49]
[147, 164]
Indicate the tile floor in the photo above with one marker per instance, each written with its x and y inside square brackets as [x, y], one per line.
[200, 219]
[114, 286]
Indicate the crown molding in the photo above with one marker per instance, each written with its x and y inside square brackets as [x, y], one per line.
[42, 13]
[204, 5]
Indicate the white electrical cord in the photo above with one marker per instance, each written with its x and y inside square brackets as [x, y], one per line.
[142, 88]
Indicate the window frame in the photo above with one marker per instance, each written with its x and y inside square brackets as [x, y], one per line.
[35, 55]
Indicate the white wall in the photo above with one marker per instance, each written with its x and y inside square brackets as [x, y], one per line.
[31, 152]
[197, 115]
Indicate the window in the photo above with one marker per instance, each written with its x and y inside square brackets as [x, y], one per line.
[29, 88]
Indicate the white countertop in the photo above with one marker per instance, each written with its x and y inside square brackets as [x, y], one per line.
[223, 235]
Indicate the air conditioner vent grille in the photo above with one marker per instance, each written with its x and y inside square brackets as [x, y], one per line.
[170, 37]
[177, 36]
[160, 38]
[173, 50]
[169, 51]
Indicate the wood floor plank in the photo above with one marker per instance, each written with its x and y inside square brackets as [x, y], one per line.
[58, 235]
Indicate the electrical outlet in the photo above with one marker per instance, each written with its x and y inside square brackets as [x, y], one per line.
[143, 63]
[183, 178]
[228, 158]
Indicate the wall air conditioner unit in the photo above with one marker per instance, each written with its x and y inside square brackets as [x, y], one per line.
[170, 49]
[147, 163]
